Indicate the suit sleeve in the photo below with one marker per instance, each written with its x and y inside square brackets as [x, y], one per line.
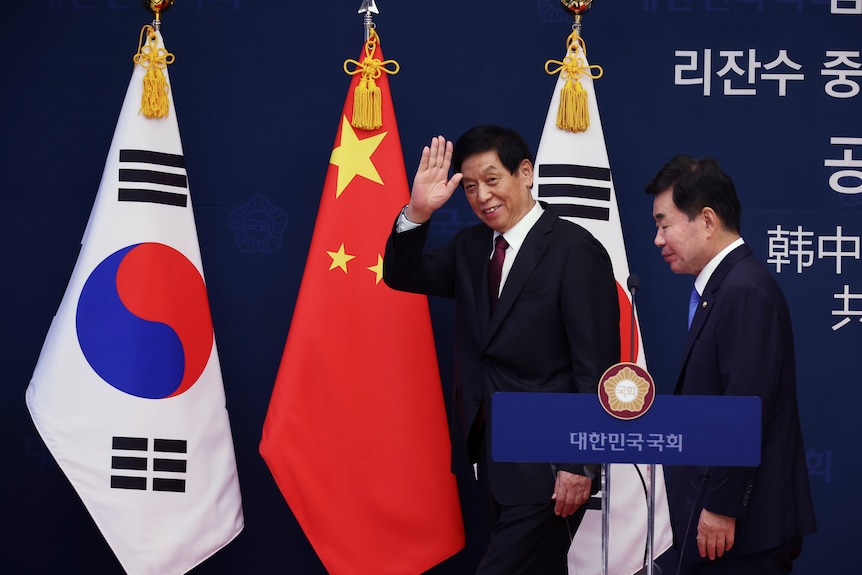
[591, 316]
[751, 343]
[407, 268]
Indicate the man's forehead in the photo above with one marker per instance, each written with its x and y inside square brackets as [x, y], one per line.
[658, 211]
[480, 170]
[484, 161]
[663, 205]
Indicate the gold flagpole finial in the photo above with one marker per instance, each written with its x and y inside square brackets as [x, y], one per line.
[578, 8]
[157, 7]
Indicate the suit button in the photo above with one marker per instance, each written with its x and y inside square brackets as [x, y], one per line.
[747, 494]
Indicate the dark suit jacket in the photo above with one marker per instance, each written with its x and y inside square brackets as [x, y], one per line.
[555, 328]
[741, 343]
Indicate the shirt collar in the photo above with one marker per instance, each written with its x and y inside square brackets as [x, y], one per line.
[518, 233]
[709, 268]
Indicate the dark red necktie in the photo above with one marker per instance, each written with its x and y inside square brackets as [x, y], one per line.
[495, 269]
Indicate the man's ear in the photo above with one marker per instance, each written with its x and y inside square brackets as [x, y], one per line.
[712, 221]
[526, 170]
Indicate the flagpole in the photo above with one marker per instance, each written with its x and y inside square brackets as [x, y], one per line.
[578, 8]
[650, 517]
[571, 139]
[606, 514]
[368, 7]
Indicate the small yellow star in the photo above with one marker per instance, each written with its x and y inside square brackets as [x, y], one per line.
[377, 269]
[353, 157]
[339, 259]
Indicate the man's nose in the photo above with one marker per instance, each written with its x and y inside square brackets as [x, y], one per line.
[659, 238]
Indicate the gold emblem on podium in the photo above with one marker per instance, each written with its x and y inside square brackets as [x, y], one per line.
[626, 391]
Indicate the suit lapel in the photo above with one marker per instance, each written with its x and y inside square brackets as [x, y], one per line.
[707, 304]
[480, 259]
[528, 258]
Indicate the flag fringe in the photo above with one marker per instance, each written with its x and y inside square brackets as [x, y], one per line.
[367, 106]
[573, 114]
[154, 100]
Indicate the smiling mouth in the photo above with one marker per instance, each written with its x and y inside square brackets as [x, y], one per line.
[491, 210]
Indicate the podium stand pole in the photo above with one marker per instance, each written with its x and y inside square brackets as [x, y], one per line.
[650, 517]
[606, 506]
[606, 515]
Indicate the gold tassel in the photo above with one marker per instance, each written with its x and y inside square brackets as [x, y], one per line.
[367, 104]
[573, 115]
[367, 108]
[154, 100]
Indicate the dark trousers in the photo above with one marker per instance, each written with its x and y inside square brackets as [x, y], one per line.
[775, 561]
[525, 539]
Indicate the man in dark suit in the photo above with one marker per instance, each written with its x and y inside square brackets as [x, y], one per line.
[733, 520]
[552, 325]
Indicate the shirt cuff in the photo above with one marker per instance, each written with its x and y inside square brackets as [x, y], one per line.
[403, 224]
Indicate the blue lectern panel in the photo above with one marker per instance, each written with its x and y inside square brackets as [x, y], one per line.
[677, 430]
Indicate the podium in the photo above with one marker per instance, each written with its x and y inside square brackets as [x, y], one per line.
[675, 430]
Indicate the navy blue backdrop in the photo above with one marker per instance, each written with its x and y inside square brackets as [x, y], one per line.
[769, 87]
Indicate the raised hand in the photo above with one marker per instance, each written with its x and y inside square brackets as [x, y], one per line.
[431, 185]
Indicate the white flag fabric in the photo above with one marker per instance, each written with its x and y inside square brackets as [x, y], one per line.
[573, 172]
[127, 393]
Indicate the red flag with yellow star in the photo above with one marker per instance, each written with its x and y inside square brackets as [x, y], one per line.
[356, 434]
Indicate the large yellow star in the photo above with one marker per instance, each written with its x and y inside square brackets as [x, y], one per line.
[339, 259]
[353, 157]
[377, 269]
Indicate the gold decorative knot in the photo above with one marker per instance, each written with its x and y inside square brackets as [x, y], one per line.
[367, 99]
[371, 68]
[154, 60]
[572, 67]
[149, 55]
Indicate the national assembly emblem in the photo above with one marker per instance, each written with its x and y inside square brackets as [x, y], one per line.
[626, 391]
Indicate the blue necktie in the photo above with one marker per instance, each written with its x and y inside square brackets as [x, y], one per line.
[693, 301]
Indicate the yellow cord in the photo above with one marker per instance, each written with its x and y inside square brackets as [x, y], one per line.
[367, 106]
[573, 114]
[154, 100]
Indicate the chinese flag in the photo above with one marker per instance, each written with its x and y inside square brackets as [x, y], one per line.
[356, 433]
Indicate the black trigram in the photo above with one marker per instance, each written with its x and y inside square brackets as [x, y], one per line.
[597, 190]
[154, 184]
[130, 464]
